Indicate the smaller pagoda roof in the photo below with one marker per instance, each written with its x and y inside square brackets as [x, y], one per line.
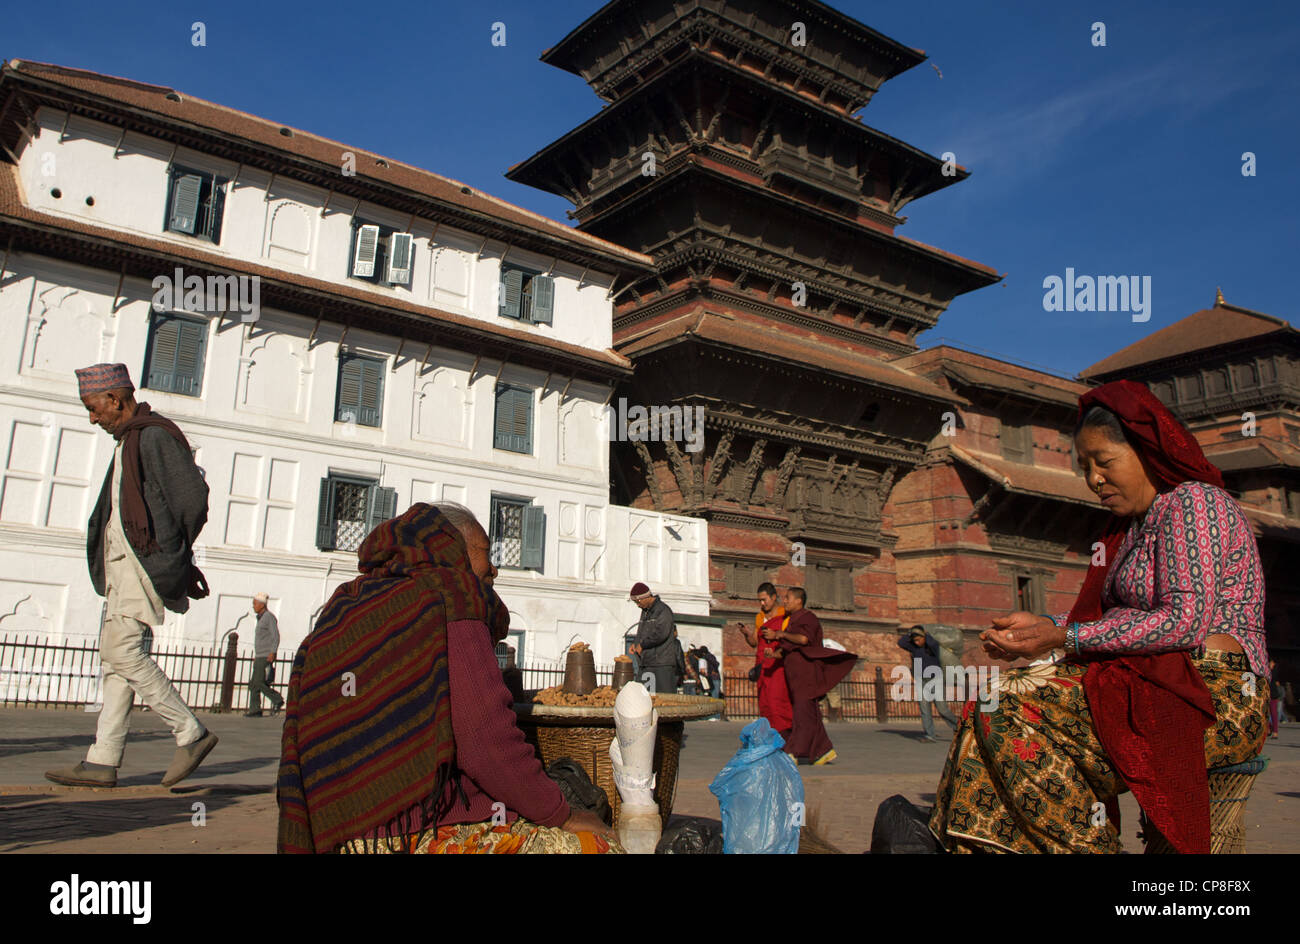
[1205, 330]
[1260, 455]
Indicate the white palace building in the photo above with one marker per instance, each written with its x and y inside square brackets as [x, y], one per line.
[386, 336]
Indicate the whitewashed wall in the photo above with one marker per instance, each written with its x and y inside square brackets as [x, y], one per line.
[264, 424]
[286, 224]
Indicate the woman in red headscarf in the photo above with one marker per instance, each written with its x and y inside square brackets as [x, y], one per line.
[1157, 672]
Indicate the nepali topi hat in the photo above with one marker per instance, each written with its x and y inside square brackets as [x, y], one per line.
[101, 377]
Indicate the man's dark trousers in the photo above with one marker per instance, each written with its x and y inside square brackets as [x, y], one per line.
[257, 687]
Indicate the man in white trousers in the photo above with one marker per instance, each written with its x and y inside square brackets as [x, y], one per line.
[139, 546]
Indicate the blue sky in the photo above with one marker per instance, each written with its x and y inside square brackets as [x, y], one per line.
[1122, 160]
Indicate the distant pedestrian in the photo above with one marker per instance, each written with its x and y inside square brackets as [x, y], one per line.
[1276, 694]
[139, 545]
[835, 697]
[656, 640]
[266, 640]
[925, 651]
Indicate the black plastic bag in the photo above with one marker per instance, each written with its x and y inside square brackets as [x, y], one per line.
[901, 829]
[579, 792]
[693, 837]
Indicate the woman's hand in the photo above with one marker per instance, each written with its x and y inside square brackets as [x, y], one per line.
[583, 821]
[1022, 635]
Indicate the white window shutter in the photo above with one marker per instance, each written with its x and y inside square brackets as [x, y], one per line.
[399, 259]
[367, 248]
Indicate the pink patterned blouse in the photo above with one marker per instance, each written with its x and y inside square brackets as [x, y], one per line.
[1189, 570]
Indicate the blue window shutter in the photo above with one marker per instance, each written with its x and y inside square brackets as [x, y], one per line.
[191, 341]
[543, 298]
[513, 427]
[216, 208]
[383, 506]
[500, 418]
[512, 292]
[533, 546]
[325, 516]
[524, 417]
[349, 396]
[371, 393]
[185, 203]
[162, 353]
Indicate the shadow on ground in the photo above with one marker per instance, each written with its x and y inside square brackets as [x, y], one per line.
[14, 747]
[30, 825]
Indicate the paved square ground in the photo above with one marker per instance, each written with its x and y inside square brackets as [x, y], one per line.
[229, 803]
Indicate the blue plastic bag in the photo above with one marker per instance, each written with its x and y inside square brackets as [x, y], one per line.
[760, 794]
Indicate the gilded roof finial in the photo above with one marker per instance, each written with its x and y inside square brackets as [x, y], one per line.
[1218, 298]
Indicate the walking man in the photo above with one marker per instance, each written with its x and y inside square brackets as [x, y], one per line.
[266, 640]
[925, 653]
[656, 639]
[768, 673]
[139, 545]
[811, 670]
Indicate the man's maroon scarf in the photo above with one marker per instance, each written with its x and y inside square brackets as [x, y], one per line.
[368, 746]
[135, 513]
[1151, 711]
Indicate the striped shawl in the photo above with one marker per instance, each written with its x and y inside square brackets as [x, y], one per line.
[367, 744]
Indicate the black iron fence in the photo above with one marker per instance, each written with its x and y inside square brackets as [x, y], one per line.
[38, 673]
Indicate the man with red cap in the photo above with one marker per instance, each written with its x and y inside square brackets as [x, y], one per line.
[139, 544]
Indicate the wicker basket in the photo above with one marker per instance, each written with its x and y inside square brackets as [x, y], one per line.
[585, 734]
[1229, 790]
[589, 746]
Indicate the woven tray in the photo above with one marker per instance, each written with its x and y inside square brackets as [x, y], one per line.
[670, 707]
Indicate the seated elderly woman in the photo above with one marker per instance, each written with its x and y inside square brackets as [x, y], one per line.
[1164, 672]
[398, 734]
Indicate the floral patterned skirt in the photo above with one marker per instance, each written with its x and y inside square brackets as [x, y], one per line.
[1031, 775]
[518, 838]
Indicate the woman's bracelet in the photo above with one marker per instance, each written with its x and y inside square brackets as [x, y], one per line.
[1071, 634]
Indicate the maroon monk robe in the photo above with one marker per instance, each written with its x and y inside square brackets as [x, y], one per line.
[811, 670]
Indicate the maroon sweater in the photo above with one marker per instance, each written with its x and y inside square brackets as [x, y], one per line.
[495, 762]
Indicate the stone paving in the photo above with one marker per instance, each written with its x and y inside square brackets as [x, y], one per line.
[236, 812]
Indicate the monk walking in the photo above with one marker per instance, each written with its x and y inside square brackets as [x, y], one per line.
[811, 670]
[769, 665]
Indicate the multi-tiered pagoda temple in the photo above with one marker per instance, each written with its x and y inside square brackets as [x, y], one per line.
[729, 151]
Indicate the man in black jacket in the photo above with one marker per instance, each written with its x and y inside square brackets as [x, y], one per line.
[656, 640]
[139, 545]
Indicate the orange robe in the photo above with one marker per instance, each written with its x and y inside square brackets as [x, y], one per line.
[773, 692]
